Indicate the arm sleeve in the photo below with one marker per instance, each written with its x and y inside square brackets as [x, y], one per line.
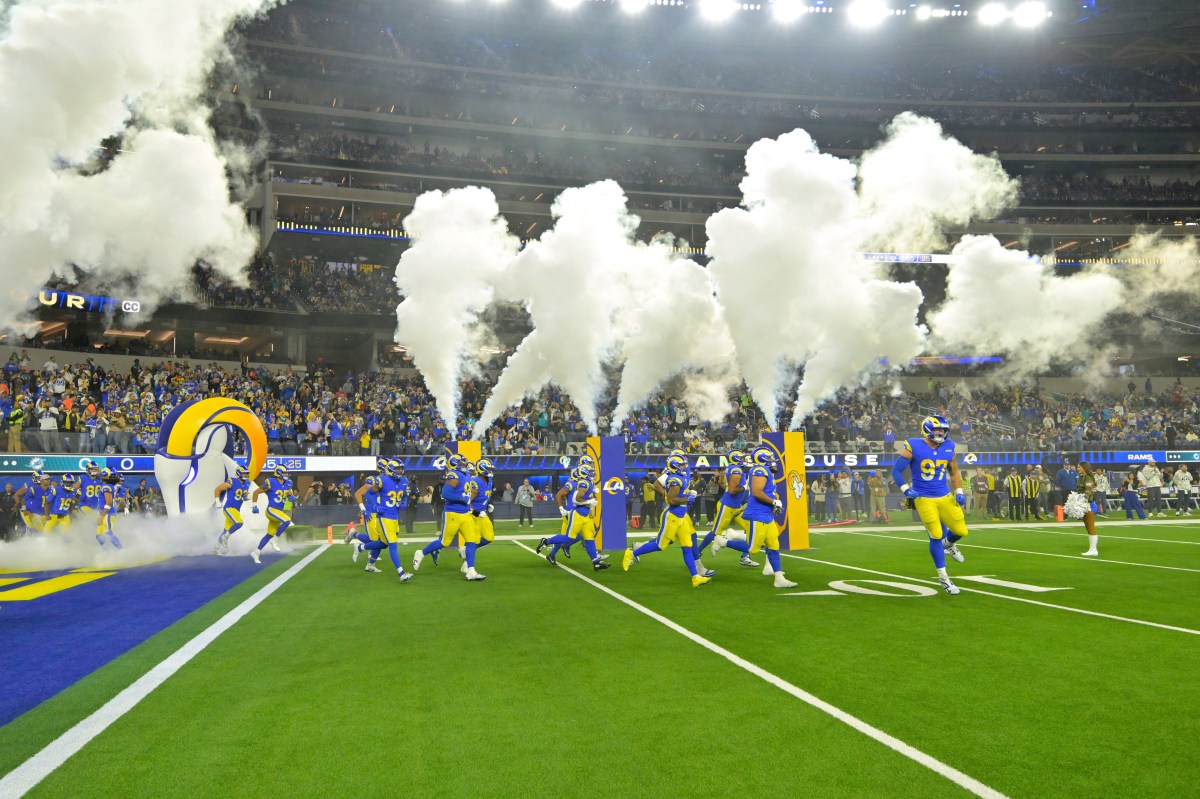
[899, 467]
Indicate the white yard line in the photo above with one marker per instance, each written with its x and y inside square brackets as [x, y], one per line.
[895, 744]
[1067, 608]
[23, 778]
[1106, 536]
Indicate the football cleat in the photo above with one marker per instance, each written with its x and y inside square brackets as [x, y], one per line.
[275, 544]
[463, 568]
[628, 559]
[949, 585]
[254, 556]
[1091, 553]
[709, 572]
[542, 545]
[699, 580]
[567, 551]
[350, 536]
[405, 577]
[719, 543]
[952, 551]
[551, 560]
[371, 568]
[474, 576]
[357, 548]
[418, 556]
[599, 565]
[746, 561]
[434, 556]
[783, 582]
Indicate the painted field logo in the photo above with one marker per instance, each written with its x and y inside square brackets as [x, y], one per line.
[16, 588]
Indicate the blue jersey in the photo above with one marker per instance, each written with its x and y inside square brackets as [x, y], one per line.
[401, 492]
[679, 481]
[277, 492]
[929, 466]
[569, 500]
[91, 488]
[456, 497]
[370, 502]
[390, 496]
[120, 496]
[35, 498]
[756, 509]
[481, 495]
[61, 500]
[237, 493]
[588, 489]
[739, 499]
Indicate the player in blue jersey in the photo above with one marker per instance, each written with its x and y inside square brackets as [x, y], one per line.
[577, 499]
[676, 525]
[279, 491]
[60, 502]
[33, 496]
[481, 507]
[930, 461]
[731, 505]
[90, 487]
[229, 497]
[110, 482]
[761, 507]
[367, 497]
[456, 493]
[390, 490]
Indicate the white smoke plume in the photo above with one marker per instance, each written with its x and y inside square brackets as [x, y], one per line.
[573, 281]
[1002, 301]
[674, 326]
[918, 181]
[447, 276]
[1165, 267]
[76, 72]
[793, 287]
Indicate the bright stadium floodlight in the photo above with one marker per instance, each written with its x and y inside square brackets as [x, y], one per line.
[567, 4]
[867, 13]
[633, 6]
[924, 13]
[1030, 15]
[993, 14]
[718, 10]
[787, 11]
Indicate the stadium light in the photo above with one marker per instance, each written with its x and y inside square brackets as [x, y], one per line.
[1030, 15]
[633, 6]
[924, 13]
[567, 4]
[787, 11]
[717, 10]
[993, 14]
[867, 13]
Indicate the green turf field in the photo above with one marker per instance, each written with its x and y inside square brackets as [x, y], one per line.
[538, 683]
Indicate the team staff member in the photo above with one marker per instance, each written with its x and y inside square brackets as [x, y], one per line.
[1032, 486]
[979, 489]
[1012, 484]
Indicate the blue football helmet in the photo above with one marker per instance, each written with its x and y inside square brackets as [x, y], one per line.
[736, 457]
[677, 462]
[935, 428]
[281, 472]
[763, 455]
[241, 473]
[485, 468]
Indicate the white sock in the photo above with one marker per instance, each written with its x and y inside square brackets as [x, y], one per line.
[1093, 543]
[942, 574]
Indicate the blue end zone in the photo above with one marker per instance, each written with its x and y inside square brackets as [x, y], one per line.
[49, 643]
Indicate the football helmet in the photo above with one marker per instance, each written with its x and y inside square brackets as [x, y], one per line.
[485, 467]
[280, 472]
[241, 473]
[763, 455]
[677, 462]
[935, 428]
[736, 457]
[93, 469]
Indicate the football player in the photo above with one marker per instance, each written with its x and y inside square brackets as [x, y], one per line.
[731, 505]
[456, 492]
[278, 490]
[761, 507]
[109, 482]
[930, 461]
[229, 497]
[676, 525]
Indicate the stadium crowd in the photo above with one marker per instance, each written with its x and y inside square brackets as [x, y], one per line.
[85, 408]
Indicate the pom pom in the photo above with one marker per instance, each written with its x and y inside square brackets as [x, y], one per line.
[1076, 506]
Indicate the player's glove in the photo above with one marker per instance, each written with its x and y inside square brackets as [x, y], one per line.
[255, 509]
[909, 491]
[476, 513]
[692, 494]
[960, 498]
[491, 509]
[563, 511]
[778, 503]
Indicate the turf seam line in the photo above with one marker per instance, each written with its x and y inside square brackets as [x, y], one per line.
[1042, 554]
[25, 777]
[1068, 608]
[964, 781]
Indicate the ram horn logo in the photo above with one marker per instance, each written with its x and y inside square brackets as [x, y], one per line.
[796, 484]
[195, 451]
[565, 461]
[614, 485]
[970, 457]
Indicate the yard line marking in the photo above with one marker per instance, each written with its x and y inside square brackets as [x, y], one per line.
[1068, 608]
[1043, 554]
[1106, 535]
[895, 744]
[26, 776]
